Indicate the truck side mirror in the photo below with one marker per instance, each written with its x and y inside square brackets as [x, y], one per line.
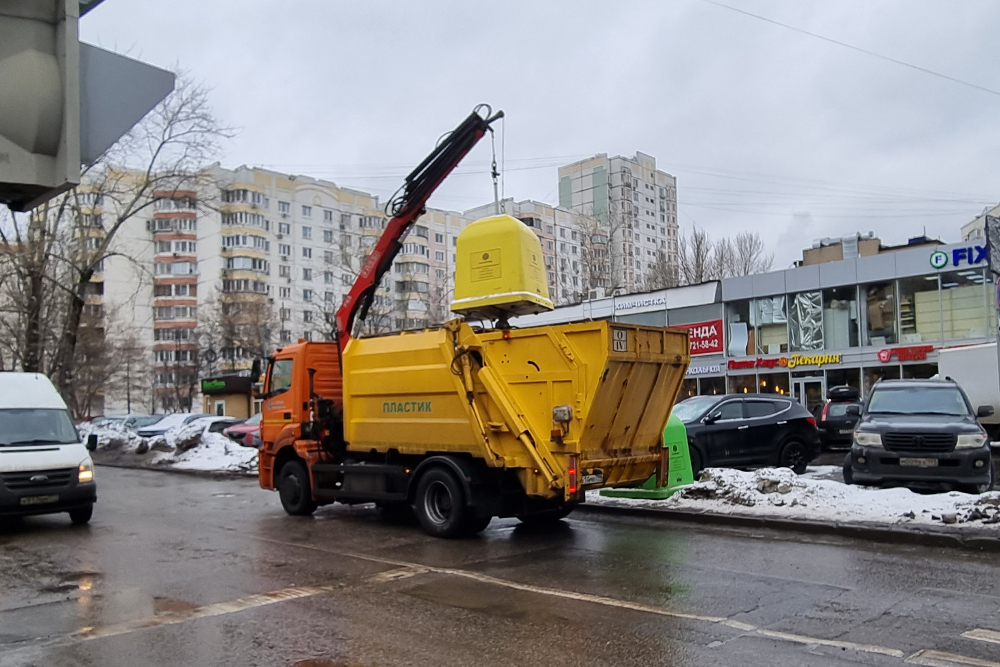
[854, 410]
[257, 389]
[984, 411]
[92, 442]
[255, 370]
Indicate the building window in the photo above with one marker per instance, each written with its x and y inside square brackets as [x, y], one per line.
[805, 320]
[307, 232]
[307, 295]
[328, 256]
[840, 318]
[307, 274]
[345, 220]
[328, 276]
[327, 215]
[327, 236]
[307, 316]
[284, 207]
[965, 302]
[757, 326]
[880, 314]
[284, 249]
[328, 296]
[439, 255]
[307, 211]
[285, 292]
[285, 271]
[284, 228]
[438, 238]
[307, 253]
[919, 309]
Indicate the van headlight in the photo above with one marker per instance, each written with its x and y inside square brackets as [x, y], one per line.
[867, 439]
[86, 472]
[970, 440]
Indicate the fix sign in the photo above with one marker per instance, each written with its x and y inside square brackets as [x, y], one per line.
[706, 337]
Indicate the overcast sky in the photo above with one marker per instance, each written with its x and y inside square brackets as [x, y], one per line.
[765, 128]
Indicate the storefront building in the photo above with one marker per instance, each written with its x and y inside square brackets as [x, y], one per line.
[802, 330]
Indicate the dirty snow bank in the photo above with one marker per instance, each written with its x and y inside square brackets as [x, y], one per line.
[185, 447]
[779, 493]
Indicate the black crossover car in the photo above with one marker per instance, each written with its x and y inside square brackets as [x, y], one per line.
[921, 432]
[748, 430]
[835, 422]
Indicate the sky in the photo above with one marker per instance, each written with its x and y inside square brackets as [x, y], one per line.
[765, 127]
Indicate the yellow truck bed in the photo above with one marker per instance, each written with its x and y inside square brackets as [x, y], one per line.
[567, 407]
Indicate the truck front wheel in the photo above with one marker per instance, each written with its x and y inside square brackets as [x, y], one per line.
[294, 489]
[440, 504]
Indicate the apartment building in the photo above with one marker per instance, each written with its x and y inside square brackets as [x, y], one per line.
[636, 204]
[976, 229]
[207, 279]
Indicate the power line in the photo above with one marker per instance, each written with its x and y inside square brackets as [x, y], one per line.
[857, 48]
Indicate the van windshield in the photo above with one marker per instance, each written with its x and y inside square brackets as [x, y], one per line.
[36, 426]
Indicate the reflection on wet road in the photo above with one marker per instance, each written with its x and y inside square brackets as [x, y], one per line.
[182, 570]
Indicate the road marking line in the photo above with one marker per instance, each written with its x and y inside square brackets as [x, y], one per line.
[395, 575]
[983, 635]
[931, 658]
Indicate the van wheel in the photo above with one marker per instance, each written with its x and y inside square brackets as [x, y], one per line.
[794, 455]
[81, 515]
[440, 504]
[294, 489]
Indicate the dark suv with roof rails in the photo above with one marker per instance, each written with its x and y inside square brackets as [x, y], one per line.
[921, 433]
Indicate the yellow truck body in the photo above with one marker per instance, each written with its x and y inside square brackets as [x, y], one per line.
[567, 406]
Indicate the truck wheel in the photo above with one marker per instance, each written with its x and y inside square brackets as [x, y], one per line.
[440, 504]
[294, 490]
[795, 455]
[81, 515]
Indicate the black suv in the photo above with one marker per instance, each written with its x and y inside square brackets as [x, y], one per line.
[746, 430]
[923, 432]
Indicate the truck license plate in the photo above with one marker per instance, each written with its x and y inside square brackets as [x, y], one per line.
[595, 477]
[918, 463]
[38, 500]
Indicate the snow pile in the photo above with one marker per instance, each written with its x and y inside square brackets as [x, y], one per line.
[184, 447]
[780, 493]
[112, 435]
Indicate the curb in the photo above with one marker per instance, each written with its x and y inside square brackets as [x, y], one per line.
[964, 539]
[205, 474]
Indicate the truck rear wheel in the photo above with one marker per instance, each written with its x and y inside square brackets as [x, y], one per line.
[440, 504]
[294, 489]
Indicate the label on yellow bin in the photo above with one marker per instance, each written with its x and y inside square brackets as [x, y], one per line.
[679, 472]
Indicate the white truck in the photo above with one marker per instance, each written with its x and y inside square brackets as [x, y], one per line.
[975, 369]
[45, 468]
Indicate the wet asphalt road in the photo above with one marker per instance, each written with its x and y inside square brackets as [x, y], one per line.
[173, 569]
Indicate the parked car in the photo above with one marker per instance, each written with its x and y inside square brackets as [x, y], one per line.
[131, 421]
[45, 468]
[167, 422]
[216, 424]
[246, 433]
[921, 432]
[748, 430]
[835, 423]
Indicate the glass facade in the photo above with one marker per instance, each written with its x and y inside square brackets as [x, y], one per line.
[880, 313]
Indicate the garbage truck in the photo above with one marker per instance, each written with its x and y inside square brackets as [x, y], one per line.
[473, 419]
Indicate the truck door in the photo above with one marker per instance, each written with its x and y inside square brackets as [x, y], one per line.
[278, 406]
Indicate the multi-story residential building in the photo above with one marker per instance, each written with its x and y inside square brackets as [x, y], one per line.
[976, 229]
[211, 278]
[573, 245]
[636, 204]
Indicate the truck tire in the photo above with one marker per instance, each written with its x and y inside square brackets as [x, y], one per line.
[440, 505]
[81, 515]
[294, 489]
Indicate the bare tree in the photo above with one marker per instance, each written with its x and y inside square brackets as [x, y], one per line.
[55, 251]
[749, 255]
[696, 262]
[661, 274]
[702, 259]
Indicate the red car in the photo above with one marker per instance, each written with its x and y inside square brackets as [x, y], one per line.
[246, 433]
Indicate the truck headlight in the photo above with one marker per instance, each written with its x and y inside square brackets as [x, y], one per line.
[86, 473]
[867, 439]
[970, 440]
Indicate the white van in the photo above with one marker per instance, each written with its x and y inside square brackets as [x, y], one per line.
[44, 467]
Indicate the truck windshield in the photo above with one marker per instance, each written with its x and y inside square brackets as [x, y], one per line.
[36, 426]
[918, 400]
[690, 409]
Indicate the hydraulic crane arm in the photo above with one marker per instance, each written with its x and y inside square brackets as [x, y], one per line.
[406, 208]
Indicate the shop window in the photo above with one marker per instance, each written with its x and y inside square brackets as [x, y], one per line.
[805, 319]
[840, 318]
[880, 314]
[839, 377]
[964, 304]
[773, 383]
[919, 309]
[919, 371]
[711, 386]
[757, 326]
[873, 375]
[688, 389]
[742, 384]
